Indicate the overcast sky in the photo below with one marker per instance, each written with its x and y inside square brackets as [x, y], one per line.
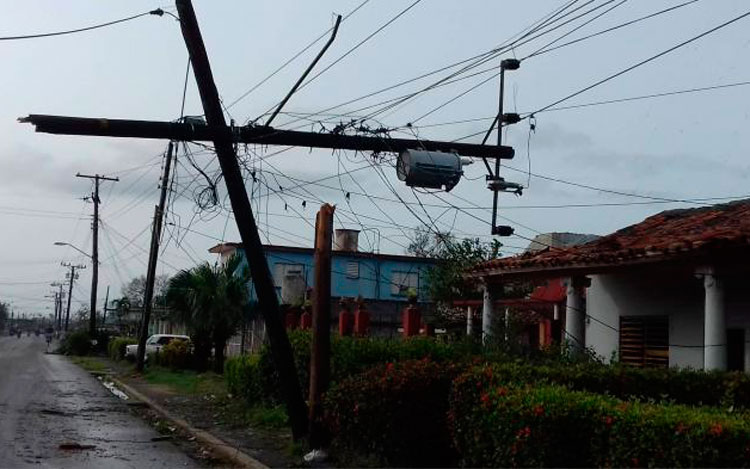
[677, 147]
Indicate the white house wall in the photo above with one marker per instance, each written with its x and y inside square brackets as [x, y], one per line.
[676, 294]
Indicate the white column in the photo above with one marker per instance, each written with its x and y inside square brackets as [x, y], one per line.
[556, 312]
[715, 327]
[487, 314]
[575, 316]
[469, 320]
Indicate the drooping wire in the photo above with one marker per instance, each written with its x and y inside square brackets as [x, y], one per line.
[157, 12]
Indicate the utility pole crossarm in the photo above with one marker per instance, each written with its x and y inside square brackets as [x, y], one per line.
[252, 135]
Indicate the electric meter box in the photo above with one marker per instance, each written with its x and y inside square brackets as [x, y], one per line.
[429, 169]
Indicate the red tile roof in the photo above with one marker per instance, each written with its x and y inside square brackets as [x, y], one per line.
[667, 235]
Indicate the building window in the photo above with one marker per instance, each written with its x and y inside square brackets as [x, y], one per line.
[352, 269]
[644, 341]
[402, 282]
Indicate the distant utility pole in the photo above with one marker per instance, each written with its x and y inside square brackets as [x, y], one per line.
[104, 310]
[153, 255]
[72, 275]
[320, 359]
[58, 304]
[95, 247]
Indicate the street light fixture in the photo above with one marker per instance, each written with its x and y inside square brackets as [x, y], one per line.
[60, 243]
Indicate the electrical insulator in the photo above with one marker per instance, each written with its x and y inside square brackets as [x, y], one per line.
[510, 64]
[502, 230]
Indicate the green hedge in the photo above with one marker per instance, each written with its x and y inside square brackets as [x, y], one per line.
[116, 347]
[76, 343]
[349, 356]
[494, 424]
[393, 414]
[680, 386]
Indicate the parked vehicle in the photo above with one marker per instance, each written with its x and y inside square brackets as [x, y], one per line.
[154, 344]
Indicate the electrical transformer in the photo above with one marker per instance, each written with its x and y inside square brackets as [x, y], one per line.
[430, 169]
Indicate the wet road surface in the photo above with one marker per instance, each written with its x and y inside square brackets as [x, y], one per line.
[46, 401]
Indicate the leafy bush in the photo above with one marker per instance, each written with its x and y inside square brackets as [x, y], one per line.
[351, 355]
[76, 343]
[681, 386]
[495, 424]
[176, 355]
[243, 377]
[395, 414]
[116, 347]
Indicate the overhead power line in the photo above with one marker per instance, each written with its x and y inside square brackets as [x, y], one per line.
[293, 58]
[642, 62]
[352, 49]
[157, 12]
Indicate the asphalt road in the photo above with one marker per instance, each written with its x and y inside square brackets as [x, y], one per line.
[46, 401]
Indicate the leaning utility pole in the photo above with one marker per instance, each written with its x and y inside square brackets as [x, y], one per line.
[152, 258]
[71, 278]
[320, 358]
[95, 246]
[281, 349]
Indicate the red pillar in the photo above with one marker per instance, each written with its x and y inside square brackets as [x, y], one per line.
[361, 321]
[411, 320]
[290, 320]
[305, 321]
[346, 322]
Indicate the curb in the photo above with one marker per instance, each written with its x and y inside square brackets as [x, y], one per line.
[220, 448]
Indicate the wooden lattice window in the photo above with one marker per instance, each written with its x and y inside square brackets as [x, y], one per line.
[644, 341]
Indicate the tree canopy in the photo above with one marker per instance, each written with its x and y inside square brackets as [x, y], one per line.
[211, 302]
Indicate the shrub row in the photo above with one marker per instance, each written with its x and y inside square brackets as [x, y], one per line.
[494, 424]
[393, 414]
[76, 343]
[680, 386]
[116, 347]
[176, 355]
[257, 380]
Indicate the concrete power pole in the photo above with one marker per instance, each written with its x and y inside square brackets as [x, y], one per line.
[153, 255]
[71, 278]
[95, 247]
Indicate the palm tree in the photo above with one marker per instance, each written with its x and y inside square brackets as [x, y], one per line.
[210, 301]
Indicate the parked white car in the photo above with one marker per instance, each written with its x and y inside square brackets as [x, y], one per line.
[154, 344]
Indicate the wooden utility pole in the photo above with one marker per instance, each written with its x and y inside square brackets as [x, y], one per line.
[261, 135]
[71, 278]
[95, 246]
[281, 350]
[58, 304]
[153, 255]
[104, 310]
[320, 359]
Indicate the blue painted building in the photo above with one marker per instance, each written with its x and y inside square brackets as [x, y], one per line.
[382, 280]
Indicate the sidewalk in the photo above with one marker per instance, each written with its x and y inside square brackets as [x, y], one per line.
[202, 401]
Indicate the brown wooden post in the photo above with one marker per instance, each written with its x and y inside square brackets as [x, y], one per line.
[320, 359]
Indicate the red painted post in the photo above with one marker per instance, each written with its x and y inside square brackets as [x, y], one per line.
[411, 320]
[290, 320]
[305, 321]
[346, 321]
[428, 330]
[361, 321]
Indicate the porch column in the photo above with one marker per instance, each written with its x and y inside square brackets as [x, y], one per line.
[487, 313]
[575, 314]
[715, 327]
[469, 320]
